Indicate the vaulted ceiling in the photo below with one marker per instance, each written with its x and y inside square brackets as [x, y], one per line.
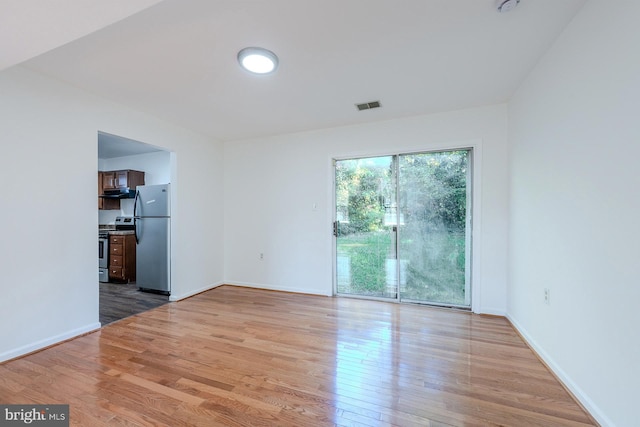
[176, 59]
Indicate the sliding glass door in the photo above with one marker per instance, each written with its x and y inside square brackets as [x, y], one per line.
[365, 228]
[435, 233]
[403, 227]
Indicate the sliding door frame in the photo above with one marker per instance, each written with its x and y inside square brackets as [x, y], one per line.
[473, 214]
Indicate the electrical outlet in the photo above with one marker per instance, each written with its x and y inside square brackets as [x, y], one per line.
[261, 256]
[547, 295]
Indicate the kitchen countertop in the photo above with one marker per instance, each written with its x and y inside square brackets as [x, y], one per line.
[112, 230]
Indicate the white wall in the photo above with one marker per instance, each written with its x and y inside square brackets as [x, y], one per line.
[574, 136]
[157, 170]
[271, 185]
[49, 287]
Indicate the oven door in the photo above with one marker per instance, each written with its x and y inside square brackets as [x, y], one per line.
[103, 275]
[103, 252]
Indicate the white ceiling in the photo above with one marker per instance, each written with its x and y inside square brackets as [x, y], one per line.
[31, 27]
[112, 146]
[177, 59]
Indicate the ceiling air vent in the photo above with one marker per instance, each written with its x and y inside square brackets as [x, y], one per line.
[368, 105]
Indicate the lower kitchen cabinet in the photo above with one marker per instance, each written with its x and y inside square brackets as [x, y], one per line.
[122, 258]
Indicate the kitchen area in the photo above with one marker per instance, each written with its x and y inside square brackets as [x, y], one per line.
[134, 217]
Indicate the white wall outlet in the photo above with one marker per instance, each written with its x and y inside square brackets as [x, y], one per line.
[261, 256]
[547, 295]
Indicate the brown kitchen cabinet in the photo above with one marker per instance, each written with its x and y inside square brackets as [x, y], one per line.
[105, 204]
[114, 180]
[122, 258]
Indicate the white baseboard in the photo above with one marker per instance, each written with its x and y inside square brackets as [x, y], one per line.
[492, 311]
[577, 392]
[279, 288]
[173, 297]
[38, 345]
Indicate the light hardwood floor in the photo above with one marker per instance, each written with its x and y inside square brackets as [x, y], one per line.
[245, 357]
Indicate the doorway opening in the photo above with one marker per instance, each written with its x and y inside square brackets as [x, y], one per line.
[123, 165]
[403, 227]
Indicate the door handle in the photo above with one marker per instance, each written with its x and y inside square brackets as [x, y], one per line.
[335, 228]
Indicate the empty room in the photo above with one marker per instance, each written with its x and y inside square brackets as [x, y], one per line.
[374, 212]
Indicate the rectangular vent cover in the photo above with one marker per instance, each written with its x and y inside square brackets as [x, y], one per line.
[368, 105]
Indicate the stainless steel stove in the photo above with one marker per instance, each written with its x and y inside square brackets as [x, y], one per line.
[103, 255]
[124, 223]
[121, 223]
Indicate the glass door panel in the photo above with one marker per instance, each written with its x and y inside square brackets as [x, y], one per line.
[434, 246]
[366, 227]
[403, 227]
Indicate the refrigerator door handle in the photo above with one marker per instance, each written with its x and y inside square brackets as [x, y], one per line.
[135, 204]
[135, 218]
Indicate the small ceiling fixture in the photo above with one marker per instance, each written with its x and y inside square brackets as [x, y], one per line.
[504, 6]
[258, 60]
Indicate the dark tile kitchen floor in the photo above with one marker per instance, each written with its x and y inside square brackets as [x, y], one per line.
[120, 300]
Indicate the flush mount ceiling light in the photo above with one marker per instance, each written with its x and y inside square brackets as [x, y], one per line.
[504, 6]
[258, 60]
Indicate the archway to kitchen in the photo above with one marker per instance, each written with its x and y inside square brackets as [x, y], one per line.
[125, 262]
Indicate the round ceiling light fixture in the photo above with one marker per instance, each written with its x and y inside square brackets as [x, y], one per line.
[258, 60]
[504, 6]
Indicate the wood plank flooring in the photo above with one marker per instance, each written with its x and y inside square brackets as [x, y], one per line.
[245, 357]
[120, 300]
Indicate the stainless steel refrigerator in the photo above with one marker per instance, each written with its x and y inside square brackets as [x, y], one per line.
[152, 223]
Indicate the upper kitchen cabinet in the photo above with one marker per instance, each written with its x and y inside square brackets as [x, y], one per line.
[116, 185]
[114, 180]
[105, 204]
